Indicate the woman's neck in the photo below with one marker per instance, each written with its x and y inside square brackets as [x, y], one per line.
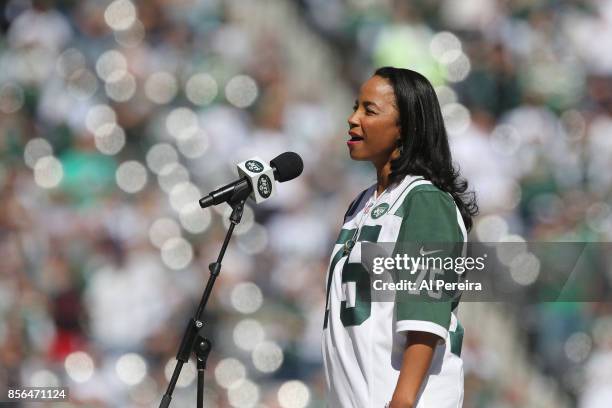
[382, 178]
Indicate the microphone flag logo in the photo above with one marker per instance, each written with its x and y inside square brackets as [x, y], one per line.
[264, 186]
[260, 176]
[254, 166]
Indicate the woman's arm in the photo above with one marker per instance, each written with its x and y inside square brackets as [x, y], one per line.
[417, 358]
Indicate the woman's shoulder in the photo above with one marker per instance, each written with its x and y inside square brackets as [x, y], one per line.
[430, 188]
[429, 214]
[426, 196]
[412, 185]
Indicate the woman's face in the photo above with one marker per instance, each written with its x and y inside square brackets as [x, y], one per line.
[374, 125]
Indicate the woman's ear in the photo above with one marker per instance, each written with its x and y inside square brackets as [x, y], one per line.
[400, 145]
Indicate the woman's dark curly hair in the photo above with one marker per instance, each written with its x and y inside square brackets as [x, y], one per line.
[424, 142]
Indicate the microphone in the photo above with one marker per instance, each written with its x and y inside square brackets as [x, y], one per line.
[256, 178]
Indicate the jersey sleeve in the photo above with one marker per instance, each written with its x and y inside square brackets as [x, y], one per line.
[429, 230]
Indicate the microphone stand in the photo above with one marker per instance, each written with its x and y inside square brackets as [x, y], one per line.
[193, 340]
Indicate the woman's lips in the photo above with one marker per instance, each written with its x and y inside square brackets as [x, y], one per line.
[354, 139]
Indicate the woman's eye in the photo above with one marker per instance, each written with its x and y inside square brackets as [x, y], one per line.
[370, 112]
[354, 108]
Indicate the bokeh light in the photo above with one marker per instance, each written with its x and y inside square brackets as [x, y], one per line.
[79, 366]
[201, 89]
[192, 142]
[525, 268]
[69, 61]
[578, 346]
[244, 394]
[445, 95]
[110, 63]
[267, 357]
[248, 333]
[445, 47]
[131, 176]
[457, 65]
[184, 194]
[160, 155]
[491, 228]
[11, 97]
[48, 172]
[456, 118]
[98, 116]
[293, 394]
[195, 219]
[120, 14]
[163, 229]
[120, 86]
[132, 36]
[171, 175]
[161, 87]
[510, 247]
[82, 84]
[44, 378]
[442, 43]
[241, 91]
[35, 149]
[246, 297]
[229, 372]
[176, 253]
[131, 368]
[181, 119]
[109, 138]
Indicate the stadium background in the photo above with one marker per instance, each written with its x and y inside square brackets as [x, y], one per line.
[116, 116]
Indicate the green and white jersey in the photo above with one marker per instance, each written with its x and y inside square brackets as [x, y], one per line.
[363, 341]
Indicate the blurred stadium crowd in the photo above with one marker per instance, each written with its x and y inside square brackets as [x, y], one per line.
[117, 116]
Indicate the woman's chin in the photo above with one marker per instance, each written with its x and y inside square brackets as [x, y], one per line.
[356, 156]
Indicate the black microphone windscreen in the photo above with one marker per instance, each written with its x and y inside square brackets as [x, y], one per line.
[288, 166]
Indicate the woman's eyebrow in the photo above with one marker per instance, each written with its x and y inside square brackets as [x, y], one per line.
[366, 103]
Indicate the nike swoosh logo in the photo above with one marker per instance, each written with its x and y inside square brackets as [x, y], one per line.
[425, 253]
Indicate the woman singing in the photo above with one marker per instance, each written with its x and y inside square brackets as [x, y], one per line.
[396, 354]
